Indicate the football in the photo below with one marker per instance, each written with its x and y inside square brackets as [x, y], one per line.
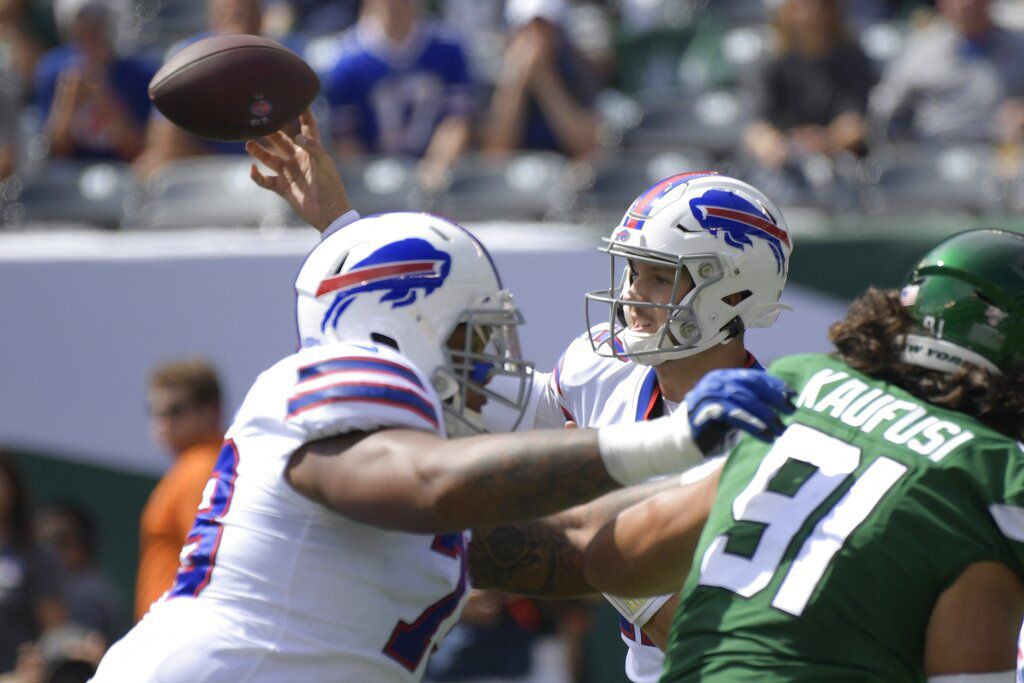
[233, 87]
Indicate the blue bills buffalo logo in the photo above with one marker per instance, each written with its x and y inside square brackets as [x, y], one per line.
[399, 272]
[738, 222]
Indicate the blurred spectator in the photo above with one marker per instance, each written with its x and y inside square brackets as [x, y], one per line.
[24, 35]
[10, 107]
[308, 18]
[95, 102]
[959, 77]
[506, 638]
[545, 93]
[185, 418]
[813, 95]
[166, 142]
[487, 643]
[92, 602]
[27, 30]
[400, 85]
[67, 654]
[31, 593]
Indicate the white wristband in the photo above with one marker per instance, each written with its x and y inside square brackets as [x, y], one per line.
[340, 222]
[634, 453]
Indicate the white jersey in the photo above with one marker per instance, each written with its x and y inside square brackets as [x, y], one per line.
[595, 391]
[274, 587]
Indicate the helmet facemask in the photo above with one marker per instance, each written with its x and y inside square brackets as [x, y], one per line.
[683, 334]
[482, 344]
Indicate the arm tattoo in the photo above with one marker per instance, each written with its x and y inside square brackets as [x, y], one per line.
[521, 477]
[535, 558]
[541, 558]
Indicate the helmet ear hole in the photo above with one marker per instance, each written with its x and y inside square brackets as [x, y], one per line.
[384, 340]
[737, 298]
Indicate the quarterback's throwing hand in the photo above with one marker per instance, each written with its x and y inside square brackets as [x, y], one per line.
[306, 175]
[727, 400]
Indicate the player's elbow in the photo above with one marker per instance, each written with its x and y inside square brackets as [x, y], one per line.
[604, 566]
[435, 496]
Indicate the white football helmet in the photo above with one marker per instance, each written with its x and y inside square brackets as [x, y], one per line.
[409, 280]
[719, 232]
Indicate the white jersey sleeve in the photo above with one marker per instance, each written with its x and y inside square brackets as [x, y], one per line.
[274, 586]
[345, 387]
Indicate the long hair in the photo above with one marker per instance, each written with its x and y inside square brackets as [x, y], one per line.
[867, 341]
[19, 516]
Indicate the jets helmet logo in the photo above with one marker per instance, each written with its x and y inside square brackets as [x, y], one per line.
[400, 271]
[739, 222]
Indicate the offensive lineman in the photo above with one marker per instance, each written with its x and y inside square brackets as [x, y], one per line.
[881, 538]
[403, 320]
[702, 257]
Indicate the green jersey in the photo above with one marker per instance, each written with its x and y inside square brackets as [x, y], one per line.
[825, 552]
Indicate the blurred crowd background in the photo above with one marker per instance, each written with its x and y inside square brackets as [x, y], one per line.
[528, 109]
[850, 114]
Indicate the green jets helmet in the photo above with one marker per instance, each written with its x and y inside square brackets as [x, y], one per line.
[967, 296]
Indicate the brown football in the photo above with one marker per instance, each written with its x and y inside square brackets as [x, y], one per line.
[233, 87]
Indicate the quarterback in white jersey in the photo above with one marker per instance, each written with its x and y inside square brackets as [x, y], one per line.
[329, 544]
[706, 256]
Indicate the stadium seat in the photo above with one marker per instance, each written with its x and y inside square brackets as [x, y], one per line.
[385, 183]
[606, 188]
[881, 41]
[740, 11]
[93, 193]
[710, 121]
[213, 191]
[172, 21]
[927, 179]
[527, 186]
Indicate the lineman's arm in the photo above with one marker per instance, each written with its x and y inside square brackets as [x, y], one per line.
[973, 626]
[648, 549]
[545, 557]
[417, 482]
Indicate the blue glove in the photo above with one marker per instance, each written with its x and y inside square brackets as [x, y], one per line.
[724, 401]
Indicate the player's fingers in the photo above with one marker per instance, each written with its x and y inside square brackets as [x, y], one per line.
[272, 183]
[282, 143]
[311, 145]
[752, 415]
[771, 390]
[292, 165]
[264, 156]
[309, 126]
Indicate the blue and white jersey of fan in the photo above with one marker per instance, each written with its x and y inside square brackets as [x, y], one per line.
[275, 587]
[391, 99]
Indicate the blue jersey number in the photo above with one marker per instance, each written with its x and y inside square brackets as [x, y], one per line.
[410, 642]
[203, 540]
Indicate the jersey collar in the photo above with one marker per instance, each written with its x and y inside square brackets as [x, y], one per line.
[648, 403]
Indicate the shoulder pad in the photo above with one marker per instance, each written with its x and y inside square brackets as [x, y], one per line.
[578, 367]
[348, 387]
[581, 362]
